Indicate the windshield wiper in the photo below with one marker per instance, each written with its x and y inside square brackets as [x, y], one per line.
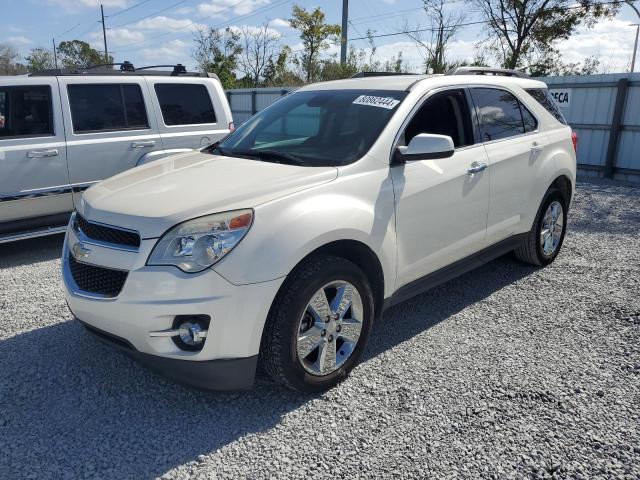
[213, 147]
[269, 156]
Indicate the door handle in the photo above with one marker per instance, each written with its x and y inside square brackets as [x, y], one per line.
[536, 148]
[42, 153]
[476, 167]
[146, 144]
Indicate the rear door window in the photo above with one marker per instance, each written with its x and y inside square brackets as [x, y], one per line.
[107, 107]
[25, 112]
[544, 98]
[185, 104]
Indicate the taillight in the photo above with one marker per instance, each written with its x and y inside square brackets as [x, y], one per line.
[232, 127]
[574, 139]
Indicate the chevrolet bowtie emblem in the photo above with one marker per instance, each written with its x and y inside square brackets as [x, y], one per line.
[80, 251]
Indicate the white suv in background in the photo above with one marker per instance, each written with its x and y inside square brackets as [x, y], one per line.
[283, 244]
[63, 131]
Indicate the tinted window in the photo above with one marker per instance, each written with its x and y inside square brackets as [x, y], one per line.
[544, 99]
[314, 128]
[498, 113]
[185, 104]
[25, 112]
[445, 113]
[96, 108]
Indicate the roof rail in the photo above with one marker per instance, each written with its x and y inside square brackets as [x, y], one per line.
[487, 71]
[380, 74]
[126, 68]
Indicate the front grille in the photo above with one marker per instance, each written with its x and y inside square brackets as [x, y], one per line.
[99, 280]
[107, 234]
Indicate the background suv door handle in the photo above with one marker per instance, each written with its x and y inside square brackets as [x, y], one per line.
[149, 143]
[42, 153]
[476, 167]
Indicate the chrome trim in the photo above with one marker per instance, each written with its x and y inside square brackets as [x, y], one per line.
[174, 332]
[39, 233]
[47, 191]
[82, 237]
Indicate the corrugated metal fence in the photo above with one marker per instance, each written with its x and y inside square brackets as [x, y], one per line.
[603, 109]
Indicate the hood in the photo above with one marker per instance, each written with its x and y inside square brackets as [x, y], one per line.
[153, 198]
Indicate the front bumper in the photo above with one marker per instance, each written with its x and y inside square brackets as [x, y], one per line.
[222, 374]
[153, 296]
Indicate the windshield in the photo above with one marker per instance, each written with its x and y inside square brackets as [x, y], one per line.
[314, 128]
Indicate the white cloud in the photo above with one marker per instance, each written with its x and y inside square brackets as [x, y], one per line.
[175, 51]
[279, 23]
[117, 37]
[224, 8]
[251, 29]
[18, 40]
[168, 24]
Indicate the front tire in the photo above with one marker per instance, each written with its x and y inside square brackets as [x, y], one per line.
[319, 325]
[544, 240]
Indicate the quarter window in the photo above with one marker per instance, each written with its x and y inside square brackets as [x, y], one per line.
[107, 107]
[25, 112]
[544, 98]
[185, 104]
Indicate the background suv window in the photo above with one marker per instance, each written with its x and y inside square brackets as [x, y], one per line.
[499, 114]
[544, 98]
[445, 113]
[185, 104]
[107, 107]
[25, 112]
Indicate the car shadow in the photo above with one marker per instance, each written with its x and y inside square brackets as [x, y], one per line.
[70, 404]
[34, 250]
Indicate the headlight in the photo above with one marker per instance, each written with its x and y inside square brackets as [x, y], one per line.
[197, 244]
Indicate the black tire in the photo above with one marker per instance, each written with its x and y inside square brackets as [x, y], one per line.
[278, 353]
[531, 251]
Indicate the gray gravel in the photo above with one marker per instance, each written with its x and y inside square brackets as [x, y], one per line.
[506, 372]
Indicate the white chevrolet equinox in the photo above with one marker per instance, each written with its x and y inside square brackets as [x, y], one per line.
[281, 245]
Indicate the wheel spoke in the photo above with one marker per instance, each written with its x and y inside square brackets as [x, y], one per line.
[350, 330]
[326, 362]
[342, 301]
[319, 306]
[308, 341]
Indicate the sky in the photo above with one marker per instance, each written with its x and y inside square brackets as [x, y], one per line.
[148, 32]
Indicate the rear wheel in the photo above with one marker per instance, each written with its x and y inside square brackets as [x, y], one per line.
[319, 325]
[545, 238]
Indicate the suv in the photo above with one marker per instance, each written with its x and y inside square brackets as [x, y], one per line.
[283, 244]
[62, 131]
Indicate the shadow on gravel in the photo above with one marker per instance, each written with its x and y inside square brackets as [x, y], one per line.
[27, 252]
[70, 405]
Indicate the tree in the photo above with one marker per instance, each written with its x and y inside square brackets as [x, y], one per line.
[258, 46]
[316, 36]
[443, 26]
[523, 32]
[217, 52]
[278, 74]
[8, 60]
[40, 59]
[79, 54]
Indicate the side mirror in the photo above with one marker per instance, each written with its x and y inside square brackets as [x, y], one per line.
[425, 146]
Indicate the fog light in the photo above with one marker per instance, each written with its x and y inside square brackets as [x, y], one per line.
[192, 333]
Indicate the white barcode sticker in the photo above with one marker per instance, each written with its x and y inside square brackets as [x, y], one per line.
[383, 102]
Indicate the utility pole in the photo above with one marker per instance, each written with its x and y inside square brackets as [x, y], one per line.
[104, 36]
[343, 41]
[635, 47]
[55, 53]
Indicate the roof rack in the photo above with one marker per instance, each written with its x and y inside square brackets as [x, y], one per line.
[126, 68]
[379, 74]
[505, 72]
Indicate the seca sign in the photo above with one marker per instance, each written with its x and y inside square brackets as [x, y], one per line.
[562, 97]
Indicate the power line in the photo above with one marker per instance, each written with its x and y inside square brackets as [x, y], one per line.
[120, 12]
[170, 7]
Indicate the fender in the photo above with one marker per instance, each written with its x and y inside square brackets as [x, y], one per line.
[302, 222]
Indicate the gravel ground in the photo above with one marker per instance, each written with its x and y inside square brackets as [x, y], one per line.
[506, 372]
